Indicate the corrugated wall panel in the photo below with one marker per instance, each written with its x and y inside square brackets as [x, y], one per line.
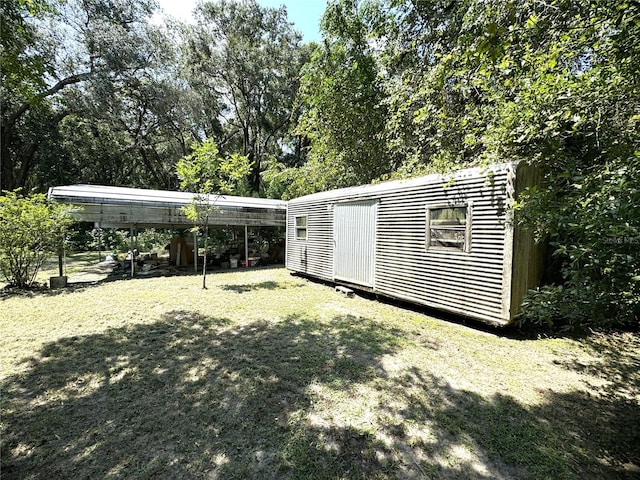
[313, 256]
[471, 283]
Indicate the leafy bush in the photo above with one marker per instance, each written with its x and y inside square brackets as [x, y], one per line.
[152, 239]
[593, 221]
[118, 239]
[108, 239]
[31, 229]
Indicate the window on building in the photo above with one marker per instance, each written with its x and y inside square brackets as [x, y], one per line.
[301, 228]
[449, 227]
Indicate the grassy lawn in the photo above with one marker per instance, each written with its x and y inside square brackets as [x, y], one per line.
[268, 375]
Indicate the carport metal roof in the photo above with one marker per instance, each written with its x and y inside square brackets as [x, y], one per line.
[119, 207]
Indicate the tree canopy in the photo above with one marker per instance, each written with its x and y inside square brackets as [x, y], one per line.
[93, 92]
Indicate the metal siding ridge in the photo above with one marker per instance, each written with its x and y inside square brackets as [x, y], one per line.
[489, 295]
[471, 304]
[483, 283]
[476, 313]
[418, 270]
[440, 256]
[405, 258]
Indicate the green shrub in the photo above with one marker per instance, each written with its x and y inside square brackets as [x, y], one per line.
[152, 239]
[593, 221]
[31, 229]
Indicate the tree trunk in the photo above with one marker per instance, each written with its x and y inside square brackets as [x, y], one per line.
[6, 168]
[204, 262]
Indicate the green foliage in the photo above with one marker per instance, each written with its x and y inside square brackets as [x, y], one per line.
[116, 239]
[343, 110]
[108, 239]
[76, 58]
[92, 92]
[207, 172]
[22, 69]
[315, 175]
[151, 239]
[595, 238]
[553, 84]
[249, 57]
[31, 228]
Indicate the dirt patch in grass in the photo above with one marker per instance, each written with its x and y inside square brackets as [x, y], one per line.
[265, 375]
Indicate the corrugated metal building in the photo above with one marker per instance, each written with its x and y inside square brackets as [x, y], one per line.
[120, 207]
[135, 209]
[444, 241]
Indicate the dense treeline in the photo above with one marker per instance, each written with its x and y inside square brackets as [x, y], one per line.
[92, 91]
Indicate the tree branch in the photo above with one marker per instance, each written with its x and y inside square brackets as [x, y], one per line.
[77, 78]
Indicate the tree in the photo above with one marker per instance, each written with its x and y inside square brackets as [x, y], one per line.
[132, 131]
[131, 137]
[249, 57]
[209, 175]
[343, 110]
[59, 45]
[31, 229]
[553, 84]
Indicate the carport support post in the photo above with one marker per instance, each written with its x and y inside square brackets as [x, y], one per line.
[60, 255]
[131, 248]
[97, 227]
[246, 246]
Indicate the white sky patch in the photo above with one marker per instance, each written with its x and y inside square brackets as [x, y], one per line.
[179, 9]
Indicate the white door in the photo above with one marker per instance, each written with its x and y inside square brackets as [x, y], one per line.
[354, 236]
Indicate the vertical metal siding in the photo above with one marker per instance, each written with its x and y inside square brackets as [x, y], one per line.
[354, 242]
[470, 283]
[313, 256]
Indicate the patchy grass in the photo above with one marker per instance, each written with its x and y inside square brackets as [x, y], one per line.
[267, 375]
[74, 263]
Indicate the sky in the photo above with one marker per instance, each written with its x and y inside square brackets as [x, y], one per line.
[304, 14]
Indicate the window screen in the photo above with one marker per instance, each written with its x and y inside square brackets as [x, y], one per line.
[449, 227]
[301, 228]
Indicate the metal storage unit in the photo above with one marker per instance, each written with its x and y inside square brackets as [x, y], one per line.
[444, 241]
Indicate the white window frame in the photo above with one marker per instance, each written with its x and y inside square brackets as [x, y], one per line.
[466, 247]
[300, 228]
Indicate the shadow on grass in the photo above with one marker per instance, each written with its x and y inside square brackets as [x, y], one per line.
[250, 287]
[195, 397]
[570, 435]
[183, 397]
[76, 284]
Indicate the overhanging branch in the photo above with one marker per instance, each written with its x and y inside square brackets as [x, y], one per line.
[13, 118]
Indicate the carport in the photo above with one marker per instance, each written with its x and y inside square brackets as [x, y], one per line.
[133, 208]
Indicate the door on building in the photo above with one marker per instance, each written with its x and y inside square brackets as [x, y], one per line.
[354, 236]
